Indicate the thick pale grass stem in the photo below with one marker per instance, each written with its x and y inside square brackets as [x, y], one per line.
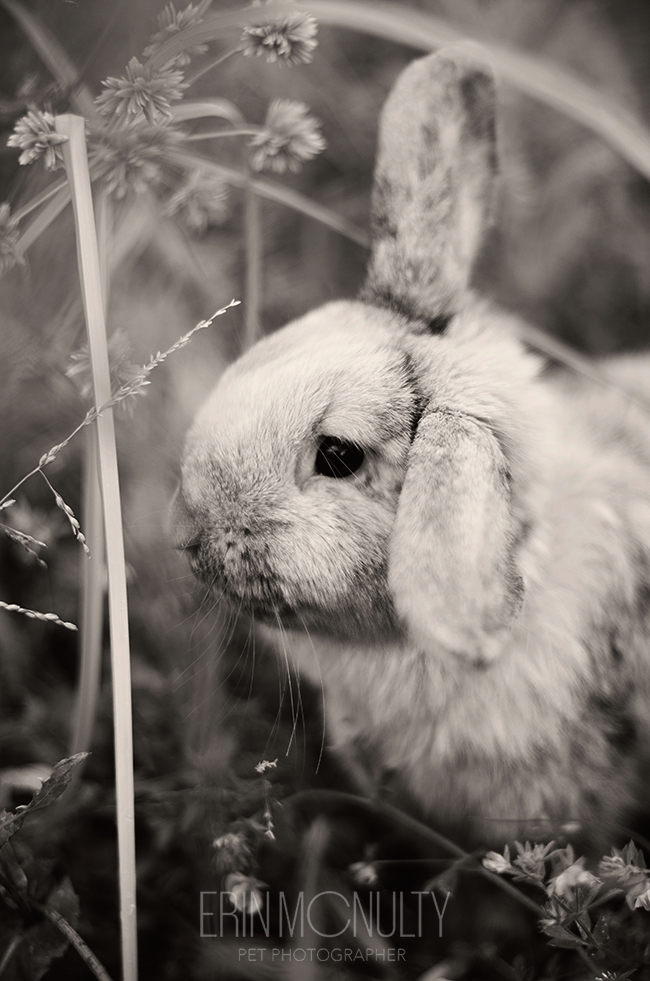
[76, 162]
[92, 567]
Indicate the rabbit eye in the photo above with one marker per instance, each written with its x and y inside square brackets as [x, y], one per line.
[337, 457]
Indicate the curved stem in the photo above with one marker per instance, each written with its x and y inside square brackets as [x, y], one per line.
[218, 134]
[213, 64]
[38, 200]
[82, 948]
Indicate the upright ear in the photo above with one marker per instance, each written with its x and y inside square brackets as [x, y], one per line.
[451, 568]
[434, 184]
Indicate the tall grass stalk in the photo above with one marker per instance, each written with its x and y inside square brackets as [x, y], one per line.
[76, 163]
[92, 567]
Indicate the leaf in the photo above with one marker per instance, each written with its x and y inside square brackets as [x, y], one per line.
[53, 787]
[601, 931]
[199, 109]
[50, 790]
[561, 937]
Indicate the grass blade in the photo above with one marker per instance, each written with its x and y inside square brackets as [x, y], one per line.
[76, 161]
[43, 219]
[200, 108]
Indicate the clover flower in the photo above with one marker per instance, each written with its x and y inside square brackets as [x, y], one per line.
[574, 875]
[129, 158]
[170, 22]
[494, 862]
[35, 135]
[289, 40]
[289, 137]
[626, 869]
[245, 892]
[142, 92]
[201, 201]
[530, 858]
[9, 254]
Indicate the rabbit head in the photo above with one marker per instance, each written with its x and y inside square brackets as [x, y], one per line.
[365, 471]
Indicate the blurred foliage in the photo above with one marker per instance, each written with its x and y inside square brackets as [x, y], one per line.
[570, 251]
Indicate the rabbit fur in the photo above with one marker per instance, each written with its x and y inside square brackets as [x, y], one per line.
[475, 598]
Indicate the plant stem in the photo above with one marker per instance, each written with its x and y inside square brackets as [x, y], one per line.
[38, 200]
[76, 161]
[13, 946]
[212, 64]
[219, 134]
[82, 948]
[253, 246]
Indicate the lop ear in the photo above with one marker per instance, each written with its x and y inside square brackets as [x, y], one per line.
[434, 184]
[451, 568]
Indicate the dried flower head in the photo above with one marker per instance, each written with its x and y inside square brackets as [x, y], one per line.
[142, 92]
[170, 22]
[289, 40]
[290, 136]
[129, 158]
[34, 134]
[9, 254]
[200, 202]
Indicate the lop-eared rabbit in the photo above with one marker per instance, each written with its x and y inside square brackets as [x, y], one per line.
[453, 541]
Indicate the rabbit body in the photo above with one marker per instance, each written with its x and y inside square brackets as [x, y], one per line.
[474, 597]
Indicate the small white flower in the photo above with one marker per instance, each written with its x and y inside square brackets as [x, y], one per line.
[265, 765]
[494, 862]
[574, 875]
[35, 135]
[643, 900]
[245, 892]
[364, 873]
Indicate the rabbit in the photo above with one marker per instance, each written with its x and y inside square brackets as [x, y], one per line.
[450, 538]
